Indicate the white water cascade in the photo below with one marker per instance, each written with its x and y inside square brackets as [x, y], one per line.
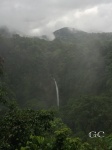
[57, 92]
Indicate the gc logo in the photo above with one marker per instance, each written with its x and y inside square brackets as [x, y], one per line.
[94, 134]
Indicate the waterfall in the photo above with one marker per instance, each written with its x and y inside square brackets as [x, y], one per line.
[57, 91]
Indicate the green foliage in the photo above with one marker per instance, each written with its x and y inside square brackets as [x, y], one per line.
[88, 113]
[38, 142]
[82, 65]
[59, 141]
[69, 143]
[109, 142]
[61, 136]
[1, 66]
[18, 125]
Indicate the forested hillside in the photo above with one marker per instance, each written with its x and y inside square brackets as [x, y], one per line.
[80, 62]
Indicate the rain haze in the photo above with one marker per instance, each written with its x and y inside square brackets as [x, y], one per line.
[42, 17]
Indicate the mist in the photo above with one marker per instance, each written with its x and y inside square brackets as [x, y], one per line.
[43, 18]
[55, 74]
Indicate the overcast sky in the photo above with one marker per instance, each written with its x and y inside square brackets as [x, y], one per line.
[38, 17]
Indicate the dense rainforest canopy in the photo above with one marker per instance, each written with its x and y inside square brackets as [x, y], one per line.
[80, 62]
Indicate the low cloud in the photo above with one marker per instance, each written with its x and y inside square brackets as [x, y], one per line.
[45, 16]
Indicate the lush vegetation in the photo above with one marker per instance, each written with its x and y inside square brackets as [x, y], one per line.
[81, 63]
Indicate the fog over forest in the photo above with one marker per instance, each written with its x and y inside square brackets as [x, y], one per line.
[55, 75]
